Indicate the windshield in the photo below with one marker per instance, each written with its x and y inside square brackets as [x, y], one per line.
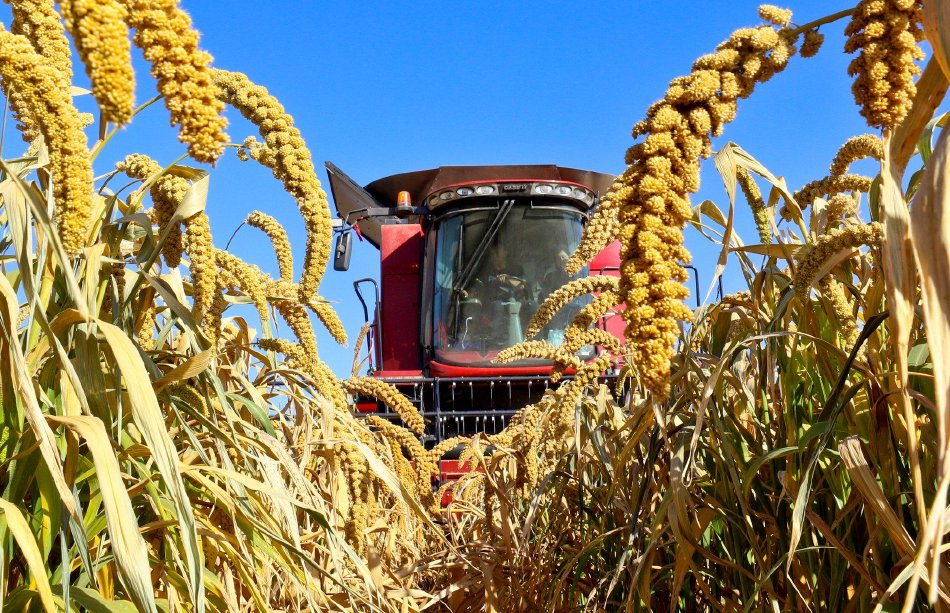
[493, 267]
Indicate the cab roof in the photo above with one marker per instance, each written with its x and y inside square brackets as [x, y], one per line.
[351, 198]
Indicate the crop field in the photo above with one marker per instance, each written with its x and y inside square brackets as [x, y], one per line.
[785, 447]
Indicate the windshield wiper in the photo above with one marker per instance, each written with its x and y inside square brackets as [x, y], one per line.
[466, 275]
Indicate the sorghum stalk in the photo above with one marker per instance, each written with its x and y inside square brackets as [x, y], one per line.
[167, 193]
[833, 184]
[102, 39]
[164, 34]
[285, 153]
[885, 33]
[42, 96]
[856, 148]
[560, 298]
[816, 254]
[39, 23]
[278, 237]
[390, 396]
[754, 197]
[653, 193]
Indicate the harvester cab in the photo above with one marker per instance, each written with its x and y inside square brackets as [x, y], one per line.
[467, 254]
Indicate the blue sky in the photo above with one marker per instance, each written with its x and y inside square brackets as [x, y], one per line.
[380, 88]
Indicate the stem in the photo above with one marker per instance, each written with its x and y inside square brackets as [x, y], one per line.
[3, 127]
[105, 139]
[233, 234]
[811, 25]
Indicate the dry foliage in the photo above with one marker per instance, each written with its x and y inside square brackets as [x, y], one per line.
[786, 448]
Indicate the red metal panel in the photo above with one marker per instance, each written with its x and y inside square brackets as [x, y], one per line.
[607, 262]
[400, 266]
[437, 369]
[398, 374]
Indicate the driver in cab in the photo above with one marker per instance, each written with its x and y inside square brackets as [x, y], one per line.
[504, 279]
[503, 291]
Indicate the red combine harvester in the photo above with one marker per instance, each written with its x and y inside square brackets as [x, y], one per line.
[461, 275]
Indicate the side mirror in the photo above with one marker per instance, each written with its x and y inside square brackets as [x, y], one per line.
[341, 253]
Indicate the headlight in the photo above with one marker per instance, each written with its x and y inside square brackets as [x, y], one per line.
[447, 195]
[465, 191]
[563, 190]
[483, 190]
[543, 189]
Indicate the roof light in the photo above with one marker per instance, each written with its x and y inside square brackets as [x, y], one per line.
[483, 190]
[464, 191]
[403, 199]
[563, 190]
[543, 188]
[447, 195]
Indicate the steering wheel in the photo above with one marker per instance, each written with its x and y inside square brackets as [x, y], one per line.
[504, 278]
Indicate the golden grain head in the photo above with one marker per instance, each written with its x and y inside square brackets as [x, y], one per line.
[42, 96]
[164, 33]
[885, 33]
[811, 45]
[101, 37]
[286, 154]
[811, 260]
[753, 196]
[775, 15]
[278, 236]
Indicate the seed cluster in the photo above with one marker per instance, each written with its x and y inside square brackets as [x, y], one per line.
[248, 277]
[885, 33]
[652, 196]
[167, 193]
[190, 396]
[42, 96]
[355, 469]
[102, 39]
[601, 229]
[329, 318]
[327, 385]
[775, 15]
[753, 196]
[836, 295]
[360, 338]
[833, 184]
[854, 149]
[390, 396]
[146, 327]
[320, 307]
[286, 154]
[562, 296]
[841, 206]
[575, 339]
[38, 22]
[537, 349]
[425, 465]
[164, 34]
[296, 356]
[200, 249]
[278, 237]
[811, 43]
[813, 258]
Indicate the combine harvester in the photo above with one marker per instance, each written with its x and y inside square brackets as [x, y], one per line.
[462, 273]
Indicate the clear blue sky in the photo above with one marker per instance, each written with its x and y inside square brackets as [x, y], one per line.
[380, 88]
